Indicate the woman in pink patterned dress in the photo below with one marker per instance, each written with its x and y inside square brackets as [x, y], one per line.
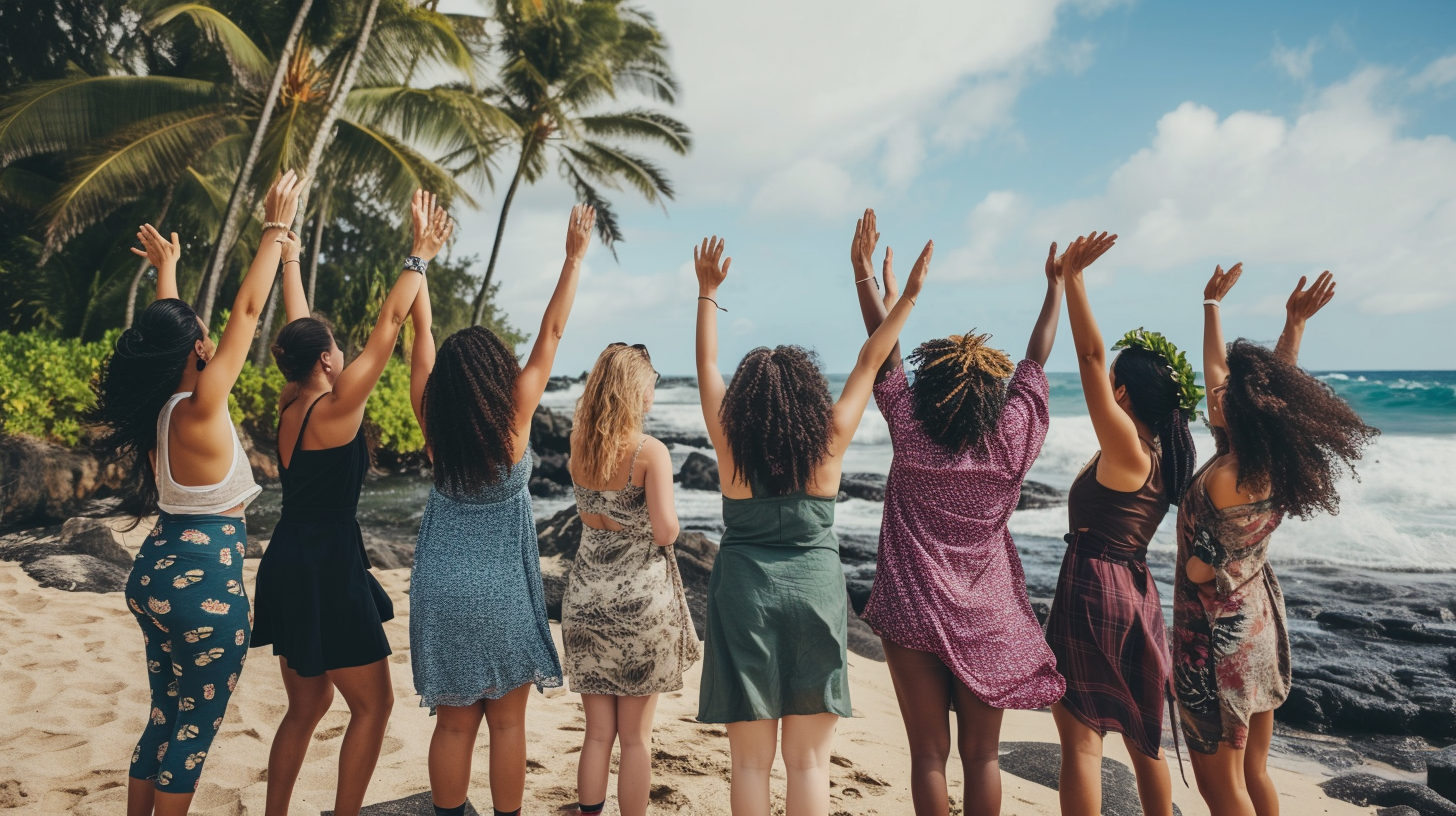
[1284, 437]
[949, 598]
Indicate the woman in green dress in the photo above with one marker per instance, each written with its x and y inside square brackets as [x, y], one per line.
[775, 649]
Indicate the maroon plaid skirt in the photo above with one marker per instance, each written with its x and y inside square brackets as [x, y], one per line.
[1106, 629]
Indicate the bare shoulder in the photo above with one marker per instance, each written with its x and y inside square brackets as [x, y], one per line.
[1222, 483]
[655, 452]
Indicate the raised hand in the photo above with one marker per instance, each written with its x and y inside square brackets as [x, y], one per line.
[1053, 266]
[892, 288]
[158, 251]
[710, 265]
[862, 250]
[1221, 282]
[1303, 304]
[280, 205]
[579, 232]
[431, 225]
[291, 246]
[918, 273]
[1084, 251]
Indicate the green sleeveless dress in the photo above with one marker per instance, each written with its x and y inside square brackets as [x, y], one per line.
[776, 613]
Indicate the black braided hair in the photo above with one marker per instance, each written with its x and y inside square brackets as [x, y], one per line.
[1155, 398]
[777, 415]
[959, 389]
[138, 378]
[1291, 433]
[469, 407]
[300, 344]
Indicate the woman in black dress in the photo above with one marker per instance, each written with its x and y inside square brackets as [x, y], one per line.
[315, 601]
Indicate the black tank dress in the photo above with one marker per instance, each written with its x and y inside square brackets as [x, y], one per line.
[315, 600]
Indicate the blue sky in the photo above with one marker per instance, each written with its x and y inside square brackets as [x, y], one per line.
[1293, 136]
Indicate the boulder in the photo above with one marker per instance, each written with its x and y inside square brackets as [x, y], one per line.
[1365, 789]
[698, 472]
[1036, 495]
[1441, 772]
[1041, 762]
[560, 534]
[554, 466]
[263, 459]
[547, 489]
[93, 537]
[41, 482]
[672, 439]
[77, 573]
[550, 431]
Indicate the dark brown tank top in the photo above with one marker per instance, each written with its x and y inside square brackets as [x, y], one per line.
[1125, 519]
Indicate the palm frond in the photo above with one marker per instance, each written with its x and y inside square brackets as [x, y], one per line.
[612, 162]
[416, 37]
[607, 227]
[391, 169]
[465, 128]
[252, 67]
[642, 124]
[26, 190]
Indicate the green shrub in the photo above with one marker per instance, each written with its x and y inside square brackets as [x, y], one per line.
[253, 402]
[45, 384]
[390, 411]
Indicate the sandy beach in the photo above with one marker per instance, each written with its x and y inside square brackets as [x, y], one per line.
[75, 698]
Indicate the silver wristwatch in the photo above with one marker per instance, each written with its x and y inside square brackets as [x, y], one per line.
[415, 263]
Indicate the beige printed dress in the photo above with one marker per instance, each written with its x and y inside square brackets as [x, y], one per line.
[624, 617]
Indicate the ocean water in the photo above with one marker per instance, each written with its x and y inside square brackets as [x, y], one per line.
[1399, 514]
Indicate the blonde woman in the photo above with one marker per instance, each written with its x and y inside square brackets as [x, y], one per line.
[624, 618]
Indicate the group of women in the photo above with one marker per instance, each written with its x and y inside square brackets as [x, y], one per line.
[949, 600]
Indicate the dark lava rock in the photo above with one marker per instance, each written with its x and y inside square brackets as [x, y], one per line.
[550, 431]
[862, 639]
[1041, 762]
[388, 552]
[41, 482]
[1335, 619]
[1414, 631]
[1367, 789]
[77, 573]
[90, 536]
[553, 587]
[417, 805]
[560, 534]
[1036, 495]
[867, 486]
[547, 489]
[553, 466]
[859, 593]
[1441, 772]
[1321, 706]
[698, 472]
[1043, 610]
[1398, 810]
[672, 439]
[1405, 753]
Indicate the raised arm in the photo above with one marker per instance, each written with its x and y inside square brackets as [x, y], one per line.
[216, 381]
[711, 268]
[872, 305]
[163, 255]
[422, 355]
[850, 407]
[531, 384]
[295, 301]
[661, 510]
[1215, 353]
[1300, 307]
[1044, 334]
[431, 228]
[1122, 454]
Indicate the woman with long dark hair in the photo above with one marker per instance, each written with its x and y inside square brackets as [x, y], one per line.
[315, 601]
[1284, 439]
[949, 600]
[162, 401]
[775, 652]
[479, 638]
[1106, 624]
[627, 635]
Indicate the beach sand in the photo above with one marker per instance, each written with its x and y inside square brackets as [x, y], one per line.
[75, 699]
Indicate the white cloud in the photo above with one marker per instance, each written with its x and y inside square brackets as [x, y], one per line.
[1439, 73]
[1297, 62]
[996, 221]
[1338, 187]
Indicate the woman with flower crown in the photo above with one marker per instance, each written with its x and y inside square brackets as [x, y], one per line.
[1106, 623]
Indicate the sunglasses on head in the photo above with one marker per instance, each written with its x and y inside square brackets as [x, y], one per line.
[642, 349]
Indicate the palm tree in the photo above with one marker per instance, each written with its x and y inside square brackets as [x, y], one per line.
[560, 60]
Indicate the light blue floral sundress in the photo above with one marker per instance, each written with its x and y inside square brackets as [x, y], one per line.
[478, 627]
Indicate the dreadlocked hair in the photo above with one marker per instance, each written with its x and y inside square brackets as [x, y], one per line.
[469, 406]
[1292, 435]
[777, 416]
[610, 411]
[959, 391]
[1156, 401]
[142, 373]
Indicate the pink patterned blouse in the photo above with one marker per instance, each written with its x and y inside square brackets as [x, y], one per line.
[949, 580]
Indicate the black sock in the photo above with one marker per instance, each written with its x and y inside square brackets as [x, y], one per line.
[458, 810]
[516, 812]
[597, 808]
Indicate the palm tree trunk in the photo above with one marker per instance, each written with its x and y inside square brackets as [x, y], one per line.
[136, 279]
[319, 220]
[500, 229]
[228, 233]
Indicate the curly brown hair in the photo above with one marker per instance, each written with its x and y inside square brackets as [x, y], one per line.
[959, 389]
[469, 407]
[778, 415]
[1293, 436]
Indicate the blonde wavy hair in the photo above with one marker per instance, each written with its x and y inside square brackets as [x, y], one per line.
[610, 411]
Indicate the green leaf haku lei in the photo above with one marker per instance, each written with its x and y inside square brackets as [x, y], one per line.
[1190, 393]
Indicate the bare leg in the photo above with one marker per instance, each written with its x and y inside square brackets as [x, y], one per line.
[1220, 779]
[978, 733]
[807, 740]
[1154, 782]
[506, 719]
[452, 747]
[309, 699]
[173, 804]
[370, 695]
[593, 767]
[923, 689]
[1080, 785]
[634, 771]
[141, 795]
[1256, 765]
[752, 745]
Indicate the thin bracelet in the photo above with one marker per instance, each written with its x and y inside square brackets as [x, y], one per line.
[870, 278]
[294, 260]
[1211, 302]
[912, 300]
[267, 225]
[714, 302]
